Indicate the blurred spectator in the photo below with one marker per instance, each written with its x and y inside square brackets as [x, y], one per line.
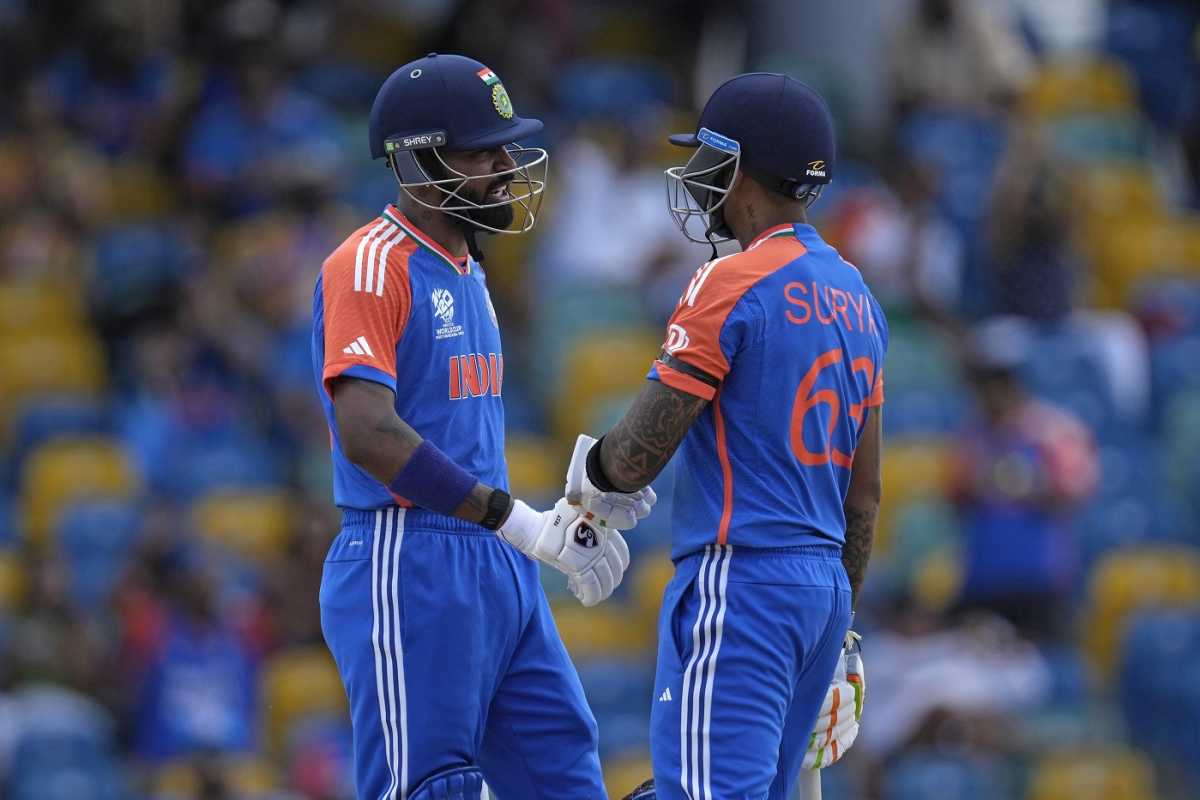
[610, 176]
[911, 257]
[195, 688]
[1020, 468]
[255, 137]
[1032, 268]
[952, 54]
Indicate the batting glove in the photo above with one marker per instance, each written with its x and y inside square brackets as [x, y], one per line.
[593, 557]
[620, 510]
[837, 724]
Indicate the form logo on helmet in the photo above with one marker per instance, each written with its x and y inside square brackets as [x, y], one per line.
[816, 169]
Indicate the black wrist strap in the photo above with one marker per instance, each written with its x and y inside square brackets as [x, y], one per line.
[595, 471]
[499, 502]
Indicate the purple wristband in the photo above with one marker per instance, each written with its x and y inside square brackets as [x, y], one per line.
[431, 480]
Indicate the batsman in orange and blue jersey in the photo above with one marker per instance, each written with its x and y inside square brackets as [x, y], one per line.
[770, 385]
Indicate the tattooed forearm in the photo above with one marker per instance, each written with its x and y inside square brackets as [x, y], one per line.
[860, 535]
[642, 443]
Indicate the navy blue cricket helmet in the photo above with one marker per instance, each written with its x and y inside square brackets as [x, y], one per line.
[446, 102]
[774, 128]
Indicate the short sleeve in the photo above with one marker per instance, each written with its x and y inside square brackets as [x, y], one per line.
[875, 398]
[363, 319]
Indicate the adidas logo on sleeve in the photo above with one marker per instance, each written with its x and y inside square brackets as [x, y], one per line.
[358, 347]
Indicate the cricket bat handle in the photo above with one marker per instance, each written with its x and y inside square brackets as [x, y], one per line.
[810, 784]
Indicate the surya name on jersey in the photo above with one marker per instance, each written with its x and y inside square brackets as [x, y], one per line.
[840, 305]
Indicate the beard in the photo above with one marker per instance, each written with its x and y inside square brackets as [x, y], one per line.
[500, 217]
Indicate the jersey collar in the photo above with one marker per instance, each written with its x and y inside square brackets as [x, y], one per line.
[784, 229]
[393, 215]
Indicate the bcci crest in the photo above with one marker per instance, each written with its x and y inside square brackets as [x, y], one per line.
[501, 101]
[443, 309]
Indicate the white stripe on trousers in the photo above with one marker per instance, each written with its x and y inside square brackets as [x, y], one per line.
[389, 654]
[694, 724]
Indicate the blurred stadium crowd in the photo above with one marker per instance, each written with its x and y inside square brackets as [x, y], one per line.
[1019, 182]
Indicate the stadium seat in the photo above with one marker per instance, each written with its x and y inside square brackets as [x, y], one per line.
[573, 313]
[1088, 139]
[1074, 87]
[1105, 193]
[590, 379]
[253, 524]
[1101, 775]
[1126, 581]
[619, 690]
[97, 539]
[913, 469]
[197, 465]
[625, 773]
[12, 581]
[41, 364]
[604, 630]
[47, 417]
[652, 571]
[1155, 639]
[921, 775]
[39, 309]
[69, 469]
[299, 683]
[537, 467]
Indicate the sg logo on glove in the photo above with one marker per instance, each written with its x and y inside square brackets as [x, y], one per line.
[585, 536]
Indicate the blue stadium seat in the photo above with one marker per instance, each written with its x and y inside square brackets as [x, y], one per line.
[619, 692]
[1173, 368]
[97, 539]
[8, 519]
[237, 462]
[1157, 654]
[1155, 39]
[48, 417]
[920, 776]
[135, 266]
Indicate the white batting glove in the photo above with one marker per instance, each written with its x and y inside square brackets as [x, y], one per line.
[620, 510]
[837, 724]
[593, 557]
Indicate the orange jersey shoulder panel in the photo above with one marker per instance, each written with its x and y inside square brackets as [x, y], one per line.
[694, 330]
[367, 298]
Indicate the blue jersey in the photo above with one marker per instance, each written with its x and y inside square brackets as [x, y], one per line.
[394, 307]
[797, 342]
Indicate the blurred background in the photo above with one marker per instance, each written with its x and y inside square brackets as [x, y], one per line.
[1019, 181]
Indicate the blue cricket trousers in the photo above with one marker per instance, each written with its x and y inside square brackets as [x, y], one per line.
[450, 658]
[748, 640]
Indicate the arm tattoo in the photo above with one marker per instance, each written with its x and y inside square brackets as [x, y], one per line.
[642, 443]
[860, 534]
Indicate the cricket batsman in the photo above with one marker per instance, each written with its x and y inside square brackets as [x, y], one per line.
[770, 384]
[441, 633]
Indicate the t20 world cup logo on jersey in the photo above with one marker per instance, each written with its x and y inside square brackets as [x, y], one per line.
[443, 309]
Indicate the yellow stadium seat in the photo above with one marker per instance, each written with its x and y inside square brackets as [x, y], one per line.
[624, 774]
[1110, 192]
[651, 573]
[603, 630]
[49, 364]
[29, 309]
[599, 368]
[68, 469]
[246, 778]
[135, 191]
[913, 469]
[1127, 581]
[1103, 775]
[1126, 250]
[255, 524]
[1080, 87]
[12, 582]
[536, 466]
[295, 684]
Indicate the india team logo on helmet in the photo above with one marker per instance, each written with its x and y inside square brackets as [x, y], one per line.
[501, 101]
